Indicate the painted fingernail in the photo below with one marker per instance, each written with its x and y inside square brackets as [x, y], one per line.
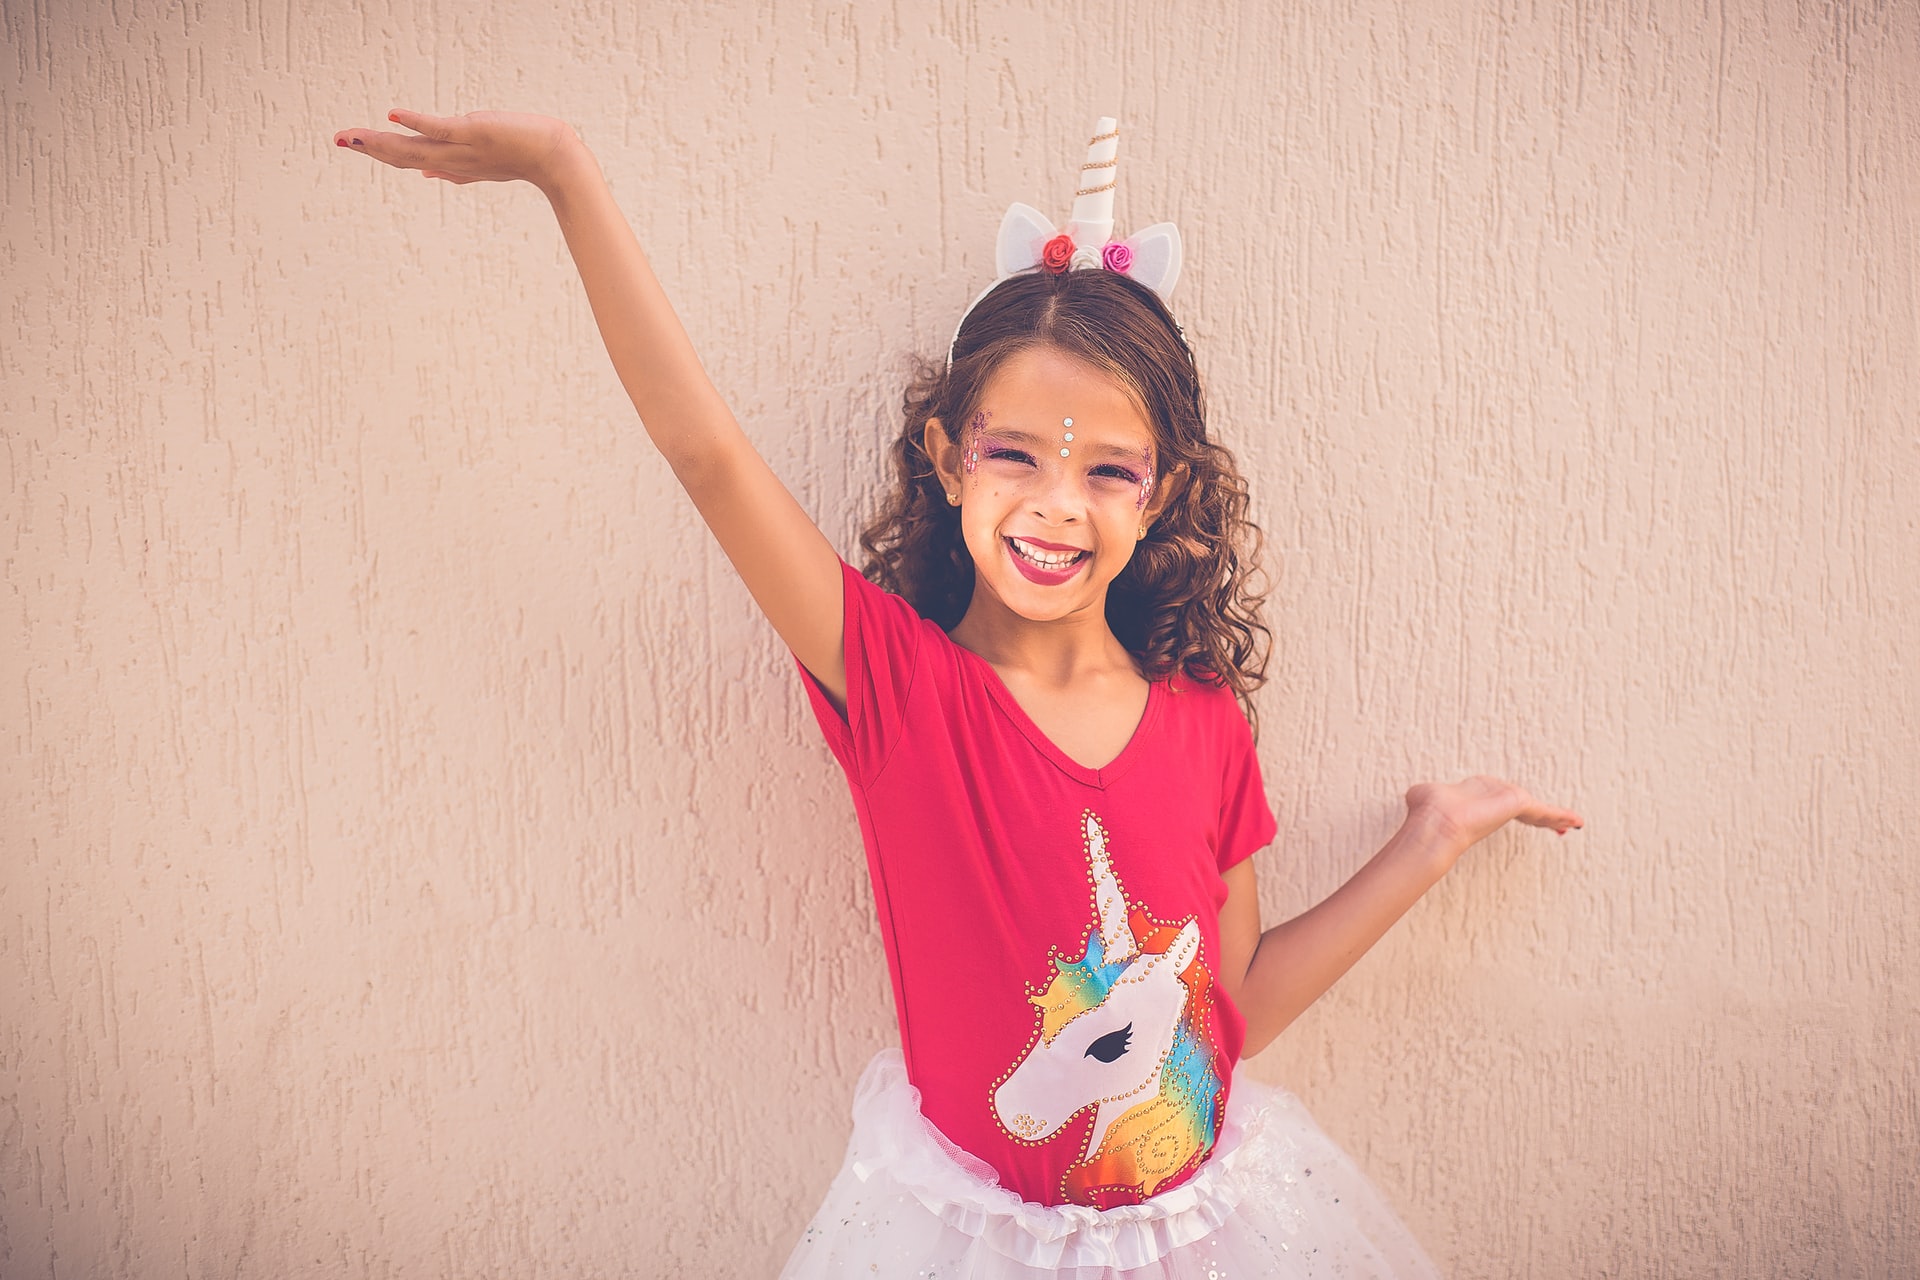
[358, 143]
[339, 142]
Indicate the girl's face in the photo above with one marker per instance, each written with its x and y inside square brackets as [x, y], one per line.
[1056, 476]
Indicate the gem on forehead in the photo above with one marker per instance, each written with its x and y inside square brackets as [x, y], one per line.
[1069, 437]
[1065, 452]
[1066, 422]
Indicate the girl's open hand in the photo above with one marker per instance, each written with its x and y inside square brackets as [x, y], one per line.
[481, 146]
[1463, 813]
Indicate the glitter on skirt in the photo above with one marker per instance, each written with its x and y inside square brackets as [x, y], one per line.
[1276, 1199]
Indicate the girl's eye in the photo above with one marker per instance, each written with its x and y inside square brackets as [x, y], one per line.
[1010, 455]
[1112, 472]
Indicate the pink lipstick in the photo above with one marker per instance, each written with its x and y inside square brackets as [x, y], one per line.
[1047, 575]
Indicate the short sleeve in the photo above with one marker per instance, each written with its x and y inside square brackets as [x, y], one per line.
[1247, 824]
[883, 635]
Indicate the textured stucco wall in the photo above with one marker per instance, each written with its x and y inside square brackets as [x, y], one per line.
[415, 858]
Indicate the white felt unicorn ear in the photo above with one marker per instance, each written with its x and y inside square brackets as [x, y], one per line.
[1024, 232]
[1156, 258]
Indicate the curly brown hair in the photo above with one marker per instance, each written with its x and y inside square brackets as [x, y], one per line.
[1190, 598]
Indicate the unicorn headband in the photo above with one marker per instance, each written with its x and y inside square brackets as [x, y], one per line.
[1028, 239]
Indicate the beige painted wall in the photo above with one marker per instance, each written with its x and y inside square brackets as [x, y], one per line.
[415, 856]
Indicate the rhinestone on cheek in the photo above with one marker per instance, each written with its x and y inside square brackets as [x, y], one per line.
[975, 429]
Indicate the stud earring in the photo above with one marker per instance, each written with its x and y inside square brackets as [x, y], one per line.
[1141, 534]
[953, 499]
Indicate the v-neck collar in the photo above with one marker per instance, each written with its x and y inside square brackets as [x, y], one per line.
[1106, 774]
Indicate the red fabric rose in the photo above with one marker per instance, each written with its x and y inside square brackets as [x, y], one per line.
[1057, 254]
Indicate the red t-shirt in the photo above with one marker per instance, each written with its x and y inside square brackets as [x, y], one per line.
[1052, 931]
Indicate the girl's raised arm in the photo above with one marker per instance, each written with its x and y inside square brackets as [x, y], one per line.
[786, 562]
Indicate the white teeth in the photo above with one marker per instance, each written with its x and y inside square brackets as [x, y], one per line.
[1045, 559]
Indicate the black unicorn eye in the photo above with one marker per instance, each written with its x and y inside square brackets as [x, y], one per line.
[1111, 1045]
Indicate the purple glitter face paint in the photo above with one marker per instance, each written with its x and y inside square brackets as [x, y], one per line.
[975, 428]
[1146, 481]
[990, 447]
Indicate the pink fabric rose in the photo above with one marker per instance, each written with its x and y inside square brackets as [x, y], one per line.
[1117, 256]
[1057, 254]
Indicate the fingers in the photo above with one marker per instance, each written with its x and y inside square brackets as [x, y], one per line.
[402, 151]
[1561, 820]
[385, 147]
[1526, 809]
[440, 128]
[431, 136]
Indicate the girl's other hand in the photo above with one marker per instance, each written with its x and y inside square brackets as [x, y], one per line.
[481, 146]
[1461, 814]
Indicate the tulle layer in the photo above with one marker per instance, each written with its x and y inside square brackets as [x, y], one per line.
[1276, 1199]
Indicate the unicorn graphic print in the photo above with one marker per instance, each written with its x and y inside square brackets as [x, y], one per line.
[1123, 1030]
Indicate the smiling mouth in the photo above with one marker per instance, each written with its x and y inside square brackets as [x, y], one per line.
[1043, 557]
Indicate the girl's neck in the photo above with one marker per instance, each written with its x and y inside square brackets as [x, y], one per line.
[1058, 652]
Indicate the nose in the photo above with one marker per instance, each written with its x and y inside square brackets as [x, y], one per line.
[1061, 499]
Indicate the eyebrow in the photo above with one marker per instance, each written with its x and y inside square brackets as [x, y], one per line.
[1026, 437]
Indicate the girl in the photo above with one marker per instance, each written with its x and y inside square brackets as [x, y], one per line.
[1034, 700]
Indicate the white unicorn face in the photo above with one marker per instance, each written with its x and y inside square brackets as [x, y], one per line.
[1110, 1055]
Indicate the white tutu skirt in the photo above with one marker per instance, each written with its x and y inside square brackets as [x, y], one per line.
[1277, 1198]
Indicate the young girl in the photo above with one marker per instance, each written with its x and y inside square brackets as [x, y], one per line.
[1034, 692]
